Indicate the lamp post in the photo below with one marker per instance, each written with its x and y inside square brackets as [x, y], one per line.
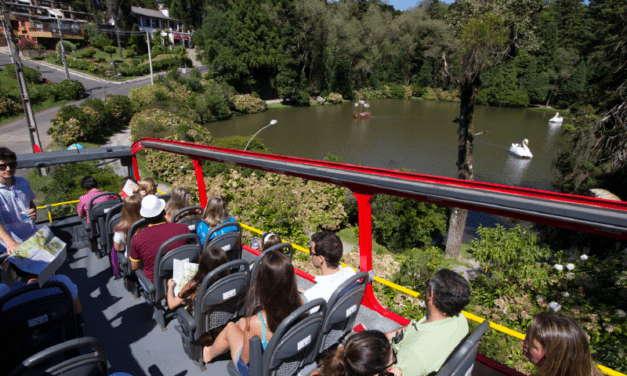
[272, 122]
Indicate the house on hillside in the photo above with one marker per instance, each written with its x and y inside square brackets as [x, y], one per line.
[37, 20]
[159, 20]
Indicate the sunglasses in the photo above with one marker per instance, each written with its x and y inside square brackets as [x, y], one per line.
[12, 165]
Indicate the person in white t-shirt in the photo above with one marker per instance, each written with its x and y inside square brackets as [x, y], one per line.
[326, 252]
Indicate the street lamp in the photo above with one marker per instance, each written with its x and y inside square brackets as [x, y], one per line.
[272, 122]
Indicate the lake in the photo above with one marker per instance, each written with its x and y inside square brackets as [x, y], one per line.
[419, 135]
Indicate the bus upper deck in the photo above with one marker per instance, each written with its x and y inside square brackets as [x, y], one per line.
[125, 326]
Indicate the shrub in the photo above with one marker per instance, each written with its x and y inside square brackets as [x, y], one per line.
[70, 90]
[31, 75]
[135, 62]
[334, 98]
[161, 124]
[110, 50]
[9, 107]
[101, 42]
[69, 47]
[397, 91]
[124, 65]
[130, 54]
[27, 45]
[43, 93]
[88, 52]
[69, 125]
[119, 109]
[248, 104]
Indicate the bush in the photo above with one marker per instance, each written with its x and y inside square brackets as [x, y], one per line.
[397, 91]
[135, 62]
[248, 104]
[43, 93]
[88, 52]
[130, 54]
[101, 42]
[9, 107]
[141, 97]
[27, 45]
[161, 124]
[119, 110]
[70, 90]
[334, 98]
[110, 50]
[69, 47]
[70, 126]
[31, 75]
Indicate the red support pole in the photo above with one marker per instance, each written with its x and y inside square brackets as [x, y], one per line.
[135, 168]
[365, 256]
[200, 180]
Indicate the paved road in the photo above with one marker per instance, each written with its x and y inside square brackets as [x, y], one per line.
[15, 135]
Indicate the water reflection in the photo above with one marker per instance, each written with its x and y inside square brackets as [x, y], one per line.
[514, 170]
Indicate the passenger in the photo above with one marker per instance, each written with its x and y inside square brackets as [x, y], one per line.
[132, 188]
[265, 310]
[270, 240]
[17, 208]
[146, 243]
[181, 199]
[366, 353]
[558, 346]
[147, 187]
[326, 252]
[23, 278]
[423, 346]
[210, 259]
[130, 214]
[216, 213]
[90, 184]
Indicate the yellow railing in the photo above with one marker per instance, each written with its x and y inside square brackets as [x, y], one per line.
[50, 206]
[470, 316]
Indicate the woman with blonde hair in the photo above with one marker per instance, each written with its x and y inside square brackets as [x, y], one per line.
[181, 198]
[147, 187]
[558, 346]
[216, 213]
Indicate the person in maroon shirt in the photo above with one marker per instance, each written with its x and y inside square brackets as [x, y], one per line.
[146, 243]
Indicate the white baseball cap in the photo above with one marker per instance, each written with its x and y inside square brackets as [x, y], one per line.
[152, 206]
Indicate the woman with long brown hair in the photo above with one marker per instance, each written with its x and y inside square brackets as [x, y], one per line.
[130, 214]
[558, 346]
[272, 296]
[367, 353]
[210, 259]
[216, 212]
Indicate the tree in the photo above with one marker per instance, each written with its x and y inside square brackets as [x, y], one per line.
[489, 31]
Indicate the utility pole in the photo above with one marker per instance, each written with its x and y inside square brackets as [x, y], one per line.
[19, 71]
[152, 80]
[67, 73]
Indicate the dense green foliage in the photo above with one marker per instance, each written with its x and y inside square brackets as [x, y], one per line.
[94, 122]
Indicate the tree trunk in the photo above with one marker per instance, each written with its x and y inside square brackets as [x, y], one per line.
[464, 166]
[117, 33]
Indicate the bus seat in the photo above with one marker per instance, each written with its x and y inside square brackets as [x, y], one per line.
[112, 219]
[342, 309]
[92, 364]
[130, 279]
[165, 197]
[285, 248]
[188, 216]
[291, 346]
[216, 304]
[156, 292]
[231, 242]
[33, 319]
[96, 228]
[462, 359]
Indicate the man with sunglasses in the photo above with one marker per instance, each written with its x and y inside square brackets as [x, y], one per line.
[424, 346]
[17, 208]
[326, 251]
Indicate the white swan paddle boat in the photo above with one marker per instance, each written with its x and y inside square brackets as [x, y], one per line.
[521, 150]
[557, 119]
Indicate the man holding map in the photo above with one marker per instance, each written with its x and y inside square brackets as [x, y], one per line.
[17, 208]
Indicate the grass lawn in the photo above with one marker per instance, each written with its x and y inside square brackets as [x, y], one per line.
[104, 55]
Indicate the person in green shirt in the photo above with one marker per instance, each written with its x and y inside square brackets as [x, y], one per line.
[423, 347]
